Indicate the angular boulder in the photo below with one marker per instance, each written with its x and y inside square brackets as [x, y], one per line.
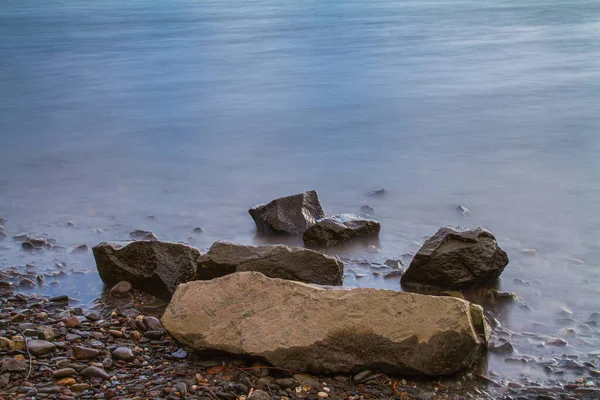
[300, 327]
[275, 261]
[339, 229]
[153, 266]
[456, 258]
[288, 215]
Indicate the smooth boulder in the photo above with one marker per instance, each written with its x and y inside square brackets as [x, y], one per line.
[153, 266]
[288, 215]
[456, 258]
[300, 327]
[339, 229]
[275, 261]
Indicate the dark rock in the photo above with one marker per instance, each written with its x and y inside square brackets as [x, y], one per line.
[365, 209]
[27, 283]
[503, 346]
[13, 365]
[154, 335]
[94, 372]
[339, 229]
[64, 373]
[152, 323]
[59, 299]
[558, 342]
[180, 354]
[85, 353]
[377, 192]
[276, 261]
[40, 347]
[456, 258]
[27, 246]
[123, 353]
[393, 275]
[396, 264]
[288, 215]
[139, 234]
[155, 267]
[4, 380]
[198, 230]
[81, 249]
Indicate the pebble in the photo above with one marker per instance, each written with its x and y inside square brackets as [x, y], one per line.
[64, 373]
[40, 347]
[152, 323]
[83, 248]
[94, 372]
[80, 387]
[556, 342]
[122, 287]
[362, 376]
[73, 322]
[123, 353]
[85, 353]
[66, 382]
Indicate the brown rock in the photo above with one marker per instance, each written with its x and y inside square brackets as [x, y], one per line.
[73, 322]
[277, 261]
[85, 353]
[325, 330]
[64, 373]
[155, 267]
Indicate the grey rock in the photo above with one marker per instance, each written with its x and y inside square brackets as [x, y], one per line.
[139, 234]
[81, 249]
[462, 210]
[40, 347]
[155, 267]
[339, 229]
[123, 353]
[94, 372]
[377, 192]
[276, 261]
[12, 365]
[325, 330]
[152, 323]
[456, 258]
[288, 215]
[4, 380]
[362, 376]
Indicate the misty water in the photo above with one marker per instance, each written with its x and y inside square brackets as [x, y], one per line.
[193, 111]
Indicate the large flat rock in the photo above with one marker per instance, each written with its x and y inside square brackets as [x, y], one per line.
[304, 328]
[288, 215]
[153, 266]
[275, 261]
[456, 258]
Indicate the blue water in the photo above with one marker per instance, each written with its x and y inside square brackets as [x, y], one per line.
[193, 111]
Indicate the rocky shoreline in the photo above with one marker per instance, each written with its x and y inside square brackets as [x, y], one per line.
[119, 348]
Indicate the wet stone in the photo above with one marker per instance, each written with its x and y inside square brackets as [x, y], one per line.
[83, 353]
[73, 322]
[40, 347]
[123, 353]
[95, 372]
[13, 365]
[64, 373]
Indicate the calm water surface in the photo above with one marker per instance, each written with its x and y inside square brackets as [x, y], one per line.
[194, 111]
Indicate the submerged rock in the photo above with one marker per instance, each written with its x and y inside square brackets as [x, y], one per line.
[288, 215]
[155, 267]
[139, 234]
[377, 192]
[304, 328]
[456, 258]
[276, 261]
[339, 229]
[462, 210]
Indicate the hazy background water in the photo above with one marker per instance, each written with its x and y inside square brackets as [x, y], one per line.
[193, 111]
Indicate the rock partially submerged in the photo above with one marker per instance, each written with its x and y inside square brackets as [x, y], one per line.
[339, 229]
[155, 267]
[276, 261]
[139, 234]
[288, 215]
[456, 258]
[300, 327]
